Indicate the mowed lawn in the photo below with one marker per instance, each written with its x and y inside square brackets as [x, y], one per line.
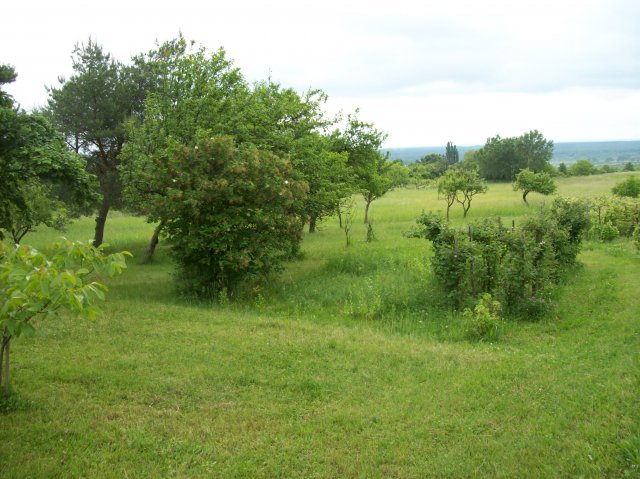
[350, 364]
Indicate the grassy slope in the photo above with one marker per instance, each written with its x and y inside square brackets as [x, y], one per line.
[348, 367]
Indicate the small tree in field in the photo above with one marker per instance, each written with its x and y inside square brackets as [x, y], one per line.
[461, 185]
[528, 181]
[35, 285]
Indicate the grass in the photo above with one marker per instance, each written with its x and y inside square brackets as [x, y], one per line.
[350, 365]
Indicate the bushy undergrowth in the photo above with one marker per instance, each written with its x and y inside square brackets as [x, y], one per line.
[517, 266]
[612, 216]
[484, 322]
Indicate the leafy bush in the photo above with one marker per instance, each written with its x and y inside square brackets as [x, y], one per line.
[604, 231]
[519, 267]
[36, 285]
[230, 214]
[484, 322]
[629, 187]
[636, 237]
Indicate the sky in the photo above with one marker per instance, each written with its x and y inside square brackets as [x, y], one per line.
[426, 72]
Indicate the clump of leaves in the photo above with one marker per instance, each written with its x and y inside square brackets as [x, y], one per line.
[483, 322]
[36, 285]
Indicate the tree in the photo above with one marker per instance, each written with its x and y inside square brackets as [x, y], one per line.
[362, 142]
[192, 89]
[528, 181]
[582, 168]
[628, 166]
[502, 158]
[434, 165]
[461, 185]
[230, 213]
[451, 154]
[536, 151]
[36, 285]
[562, 169]
[41, 181]
[629, 187]
[90, 109]
[498, 159]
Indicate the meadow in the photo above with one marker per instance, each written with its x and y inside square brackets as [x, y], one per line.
[349, 364]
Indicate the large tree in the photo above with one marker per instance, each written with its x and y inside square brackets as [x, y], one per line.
[41, 181]
[501, 158]
[90, 108]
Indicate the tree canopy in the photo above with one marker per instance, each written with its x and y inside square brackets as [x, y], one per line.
[501, 158]
[528, 181]
[41, 182]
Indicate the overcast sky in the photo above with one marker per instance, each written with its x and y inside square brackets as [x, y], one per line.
[426, 72]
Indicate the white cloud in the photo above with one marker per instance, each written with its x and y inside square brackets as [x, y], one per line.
[423, 71]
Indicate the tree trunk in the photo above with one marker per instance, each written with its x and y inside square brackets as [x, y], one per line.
[101, 219]
[340, 217]
[312, 223]
[148, 256]
[524, 197]
[4, 365]
[366, 210]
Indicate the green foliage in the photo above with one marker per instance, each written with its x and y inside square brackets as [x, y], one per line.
[199, 90]
[604, 231]
[562, 169]
[451, 154]
[501, 158]
[36, 285]
[636, 237]
[362, 141]
[229, 212]
[90, 108]
[484, 322]
[621, 213]
[519, 267]
[582, 168]
[628, 167]
[528, 181]
[629, 187]
[41, 182]
[461, 185]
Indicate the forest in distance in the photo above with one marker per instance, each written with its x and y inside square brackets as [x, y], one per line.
[598, 152]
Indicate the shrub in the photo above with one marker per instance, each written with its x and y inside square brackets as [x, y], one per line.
[484, 322]
[605, 231]
[629, 187]
[636, 237]
[519, 267]
[231, 214]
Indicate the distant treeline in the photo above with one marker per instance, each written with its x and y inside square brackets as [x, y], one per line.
[600, 152]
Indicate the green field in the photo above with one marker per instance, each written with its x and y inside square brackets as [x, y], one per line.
[349, 365]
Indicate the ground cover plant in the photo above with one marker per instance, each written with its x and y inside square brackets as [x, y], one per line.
[349, 363]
